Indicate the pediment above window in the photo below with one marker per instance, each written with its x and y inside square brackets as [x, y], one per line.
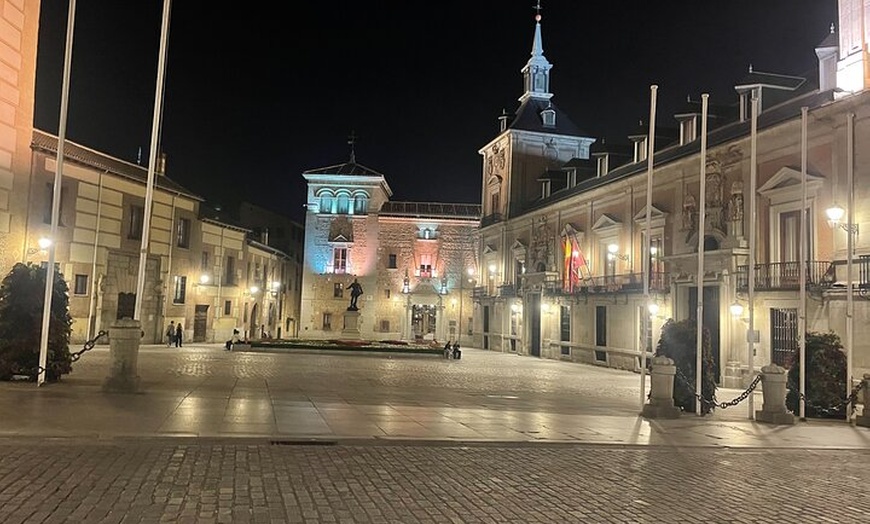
[518, 248]
[489, 249]
[570, 231]
[606, 223]
[657, 217]
[785, 186]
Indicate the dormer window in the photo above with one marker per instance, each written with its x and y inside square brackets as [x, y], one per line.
[548, 116]
[688, 129]
[640, 149]
[603, 165]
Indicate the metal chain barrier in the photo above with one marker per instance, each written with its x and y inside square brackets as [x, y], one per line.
[851, 400]
[74, 357]
[713, 403]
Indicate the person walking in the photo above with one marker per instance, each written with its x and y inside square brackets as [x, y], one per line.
[179, 332]
[170, 333]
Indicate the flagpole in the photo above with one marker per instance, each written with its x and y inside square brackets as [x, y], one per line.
[851, 231]
[152, 161]
[753, 227]
[56, 194]
[802, 317]
[646, 241]
[702, 221]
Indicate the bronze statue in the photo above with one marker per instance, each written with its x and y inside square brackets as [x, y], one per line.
[355, 291]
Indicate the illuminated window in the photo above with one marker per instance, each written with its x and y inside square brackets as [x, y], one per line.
[338, 290]
[339, 260]
[182, 232]
[180, 290]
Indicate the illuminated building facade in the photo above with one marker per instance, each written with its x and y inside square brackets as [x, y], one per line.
[414, 260]
[562, 238]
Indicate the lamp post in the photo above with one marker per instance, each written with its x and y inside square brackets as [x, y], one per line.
[461, 300]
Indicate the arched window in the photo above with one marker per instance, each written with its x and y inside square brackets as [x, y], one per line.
[360, 204]
[342, 204]
[326, 203]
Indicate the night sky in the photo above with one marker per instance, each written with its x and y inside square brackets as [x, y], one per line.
[254, 96]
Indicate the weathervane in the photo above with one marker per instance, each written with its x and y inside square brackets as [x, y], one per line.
[351, 141]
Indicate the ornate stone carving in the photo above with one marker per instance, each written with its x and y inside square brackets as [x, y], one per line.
[690, 211]
[341, 230]
[541, 252]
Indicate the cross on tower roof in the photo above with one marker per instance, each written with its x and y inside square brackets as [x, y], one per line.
[351, 141]
[537, 8]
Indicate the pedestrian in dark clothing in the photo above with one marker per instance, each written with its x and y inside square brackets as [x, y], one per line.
[179, 331]
[170, 333]
[457, 354]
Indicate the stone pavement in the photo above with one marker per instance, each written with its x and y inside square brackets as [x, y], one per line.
[264, 437]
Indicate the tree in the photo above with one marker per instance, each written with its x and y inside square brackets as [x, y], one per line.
[22, 294]
[678, 342]
[825, 377]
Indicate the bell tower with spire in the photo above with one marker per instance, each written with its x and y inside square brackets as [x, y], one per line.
[853, 68]
[536, 73]
[537, 137]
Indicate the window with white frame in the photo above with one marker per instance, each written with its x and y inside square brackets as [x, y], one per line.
[339, 260]
[783, 190]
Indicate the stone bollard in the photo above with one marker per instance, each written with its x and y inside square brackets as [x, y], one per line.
[864, 418]
[661, 403]
[773, 384]
[124, 338]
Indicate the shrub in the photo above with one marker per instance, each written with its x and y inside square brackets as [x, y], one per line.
[678, 342]
[825, 377]
[22, 294]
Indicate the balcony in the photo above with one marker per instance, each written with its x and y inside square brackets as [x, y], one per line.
[785, 276]
[629, 283]
[507, 290]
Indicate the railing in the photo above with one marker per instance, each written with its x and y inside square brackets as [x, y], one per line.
[778, 276]
[624, 284]
[490, 219]
[507, 290]
[478, 292]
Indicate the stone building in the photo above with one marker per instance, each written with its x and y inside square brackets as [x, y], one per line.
[413, 260]
[565, 216]
[195, 272]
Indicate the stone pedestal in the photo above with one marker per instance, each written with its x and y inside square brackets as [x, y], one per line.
[124, 338]
[661, 403]
[773, 384]
[864, 418]
[351, 324]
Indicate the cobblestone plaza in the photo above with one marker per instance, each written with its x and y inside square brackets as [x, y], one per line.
[218, 436]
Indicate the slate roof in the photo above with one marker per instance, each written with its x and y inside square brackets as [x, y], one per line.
[347, 168]
[430, 210]
[720, 135]
[73, 152]
[756, 78]
[528, 118]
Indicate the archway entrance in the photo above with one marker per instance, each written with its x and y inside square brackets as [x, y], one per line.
[424, 320]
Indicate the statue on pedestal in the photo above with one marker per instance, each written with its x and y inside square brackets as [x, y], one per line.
[355, 291]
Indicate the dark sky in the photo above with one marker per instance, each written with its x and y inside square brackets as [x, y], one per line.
[254, 96]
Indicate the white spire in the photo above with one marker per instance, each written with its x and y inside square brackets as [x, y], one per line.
[536, 73]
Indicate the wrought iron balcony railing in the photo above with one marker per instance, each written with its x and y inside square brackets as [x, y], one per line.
[785, 276]
[623, 284]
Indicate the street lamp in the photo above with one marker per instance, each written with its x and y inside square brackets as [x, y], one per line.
[613, 252]
[203, 279]
[44, 243]
[835, 215]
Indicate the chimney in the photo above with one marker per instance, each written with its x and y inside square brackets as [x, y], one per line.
[161, 164]
[264, 236]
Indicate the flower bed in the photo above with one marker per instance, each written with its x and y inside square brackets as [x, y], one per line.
[385, 346]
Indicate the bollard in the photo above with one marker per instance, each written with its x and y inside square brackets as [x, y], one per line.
[864, 418]
[124, 338]
[773, 388]
[661, 403]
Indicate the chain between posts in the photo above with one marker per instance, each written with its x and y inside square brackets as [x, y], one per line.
[851, 400]
[713, 403]
[75, 356]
